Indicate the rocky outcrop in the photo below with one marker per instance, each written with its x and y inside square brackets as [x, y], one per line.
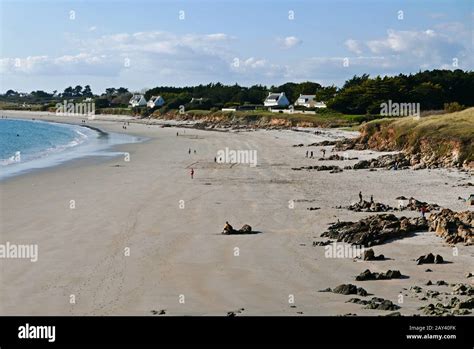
[367, 206]
[347, 289]
[375, 230]
[368, 275]
[397, 161]
[455, 306]
[453, 227]
[333, 169]
[375, 303]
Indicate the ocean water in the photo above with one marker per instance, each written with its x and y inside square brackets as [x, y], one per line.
[27, 145]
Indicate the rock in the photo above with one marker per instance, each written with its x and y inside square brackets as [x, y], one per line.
[375, 229]
[429, 283]
[396, 313]
[319, 168]
[463, 290]
[246, 229]
[390, 161]
[441, 283]
[368, 275]
[326, 290]
[366, 206]
[313, 208]
[469, 275]
[453, 227]
[415, 289]
[350, 289]
[428, 270]
[321, 243]
[428, 259]
[454, 307]
[375, 303]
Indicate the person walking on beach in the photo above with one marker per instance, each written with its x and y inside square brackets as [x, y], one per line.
[306, 153]
[177, 134]
[360, 196]
[311, 155]
[192, 173]
[324, 152]
[423, 211]
[371, 199]
[189, 151]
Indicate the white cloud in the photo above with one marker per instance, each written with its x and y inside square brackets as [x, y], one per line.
[353, 46]
[289, 42]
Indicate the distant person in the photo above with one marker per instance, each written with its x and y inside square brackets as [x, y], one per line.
[311, 155]
[360, 196]
[215, 159]
[306, 153]
[194, 151]
[371, 199]
[423, 211]
[324, 152]
[189, 151]
[192, 173]
[177, 134]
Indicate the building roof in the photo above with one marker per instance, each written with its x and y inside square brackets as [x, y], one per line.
[136, 98]
[274, 96]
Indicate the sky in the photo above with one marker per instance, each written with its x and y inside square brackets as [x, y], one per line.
[50, 45]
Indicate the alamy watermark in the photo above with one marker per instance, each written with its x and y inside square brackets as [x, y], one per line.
[85, 108]
[14, 251]
[400, 109]
[230, 156]
[337, 250]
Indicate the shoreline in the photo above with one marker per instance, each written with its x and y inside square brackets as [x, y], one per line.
[171, 226]
[91, 149]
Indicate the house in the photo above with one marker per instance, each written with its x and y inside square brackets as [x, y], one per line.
[308, 101]
[276, 100]
[137, 101]
[155, 102]
[305, 101]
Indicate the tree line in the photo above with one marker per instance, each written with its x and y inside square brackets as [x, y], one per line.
[359, 95]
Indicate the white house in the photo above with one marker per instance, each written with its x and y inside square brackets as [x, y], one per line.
[308, 101]
[276, 100]
[155, 101]
[137, 101]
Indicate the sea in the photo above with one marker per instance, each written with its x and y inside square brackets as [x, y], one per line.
[27, 145]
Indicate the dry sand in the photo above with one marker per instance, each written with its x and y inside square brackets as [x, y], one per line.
[176, 252]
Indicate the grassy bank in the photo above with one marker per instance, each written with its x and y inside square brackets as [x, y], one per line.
[439, 136]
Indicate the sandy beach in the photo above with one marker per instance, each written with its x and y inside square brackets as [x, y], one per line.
[143, 236]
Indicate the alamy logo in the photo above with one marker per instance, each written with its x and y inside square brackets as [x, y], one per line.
[400, 109]
[71, 108]
[336, 250]
[229, 156]
[37, 332]
[13, 251]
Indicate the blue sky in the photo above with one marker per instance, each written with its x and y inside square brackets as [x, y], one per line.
[50, 45]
